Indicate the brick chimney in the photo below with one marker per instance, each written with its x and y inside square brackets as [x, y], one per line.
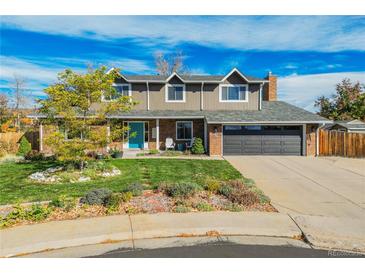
[270, 89]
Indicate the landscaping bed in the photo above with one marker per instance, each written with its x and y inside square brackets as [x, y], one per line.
[210, 195]
[140, 186]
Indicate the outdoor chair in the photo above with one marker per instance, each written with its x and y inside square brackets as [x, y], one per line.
[169, 144]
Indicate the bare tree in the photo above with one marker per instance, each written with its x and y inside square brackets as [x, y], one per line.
[20, 98]
[165, 65]
[19, 92]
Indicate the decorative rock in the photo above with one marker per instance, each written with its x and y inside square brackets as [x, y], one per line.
[53, 169]
[113, 172]
[84, 179]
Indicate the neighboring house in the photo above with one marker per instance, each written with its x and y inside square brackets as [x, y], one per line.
[234, 114]
[353, 126]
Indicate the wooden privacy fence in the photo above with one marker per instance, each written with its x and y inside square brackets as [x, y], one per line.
[337, 143]
[10, 140]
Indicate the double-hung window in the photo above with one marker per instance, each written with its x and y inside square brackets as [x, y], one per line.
[184, 130]
[233, 93]
[120, 90]
[175, 93]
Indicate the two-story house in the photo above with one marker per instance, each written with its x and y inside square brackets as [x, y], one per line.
[234, 114]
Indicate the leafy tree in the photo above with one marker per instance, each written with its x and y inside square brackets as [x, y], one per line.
[24, 147]
[346, 104]
[4, 110]
[75, 103]
[198, 147]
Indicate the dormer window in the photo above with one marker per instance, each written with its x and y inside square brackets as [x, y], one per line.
[175, 93]
[233, 93]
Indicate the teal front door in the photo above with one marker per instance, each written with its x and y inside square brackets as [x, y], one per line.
[136, 135]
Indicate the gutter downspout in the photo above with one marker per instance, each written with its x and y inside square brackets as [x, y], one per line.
[148, 95]
[201, 96]
[317, 138]
[260, 95]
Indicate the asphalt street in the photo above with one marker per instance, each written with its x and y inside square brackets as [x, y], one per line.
[227, 250]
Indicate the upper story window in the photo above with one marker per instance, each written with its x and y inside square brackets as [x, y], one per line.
[175, 93]
[121, 90]
[233, 93]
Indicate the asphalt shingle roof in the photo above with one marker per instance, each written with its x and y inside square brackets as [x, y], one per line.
[162, 78]
[274, 111]
[346, 124]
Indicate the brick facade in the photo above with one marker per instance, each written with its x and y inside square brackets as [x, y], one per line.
[270, 89]
[215, 139]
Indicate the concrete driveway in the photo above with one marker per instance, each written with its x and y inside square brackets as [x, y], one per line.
[331, 187]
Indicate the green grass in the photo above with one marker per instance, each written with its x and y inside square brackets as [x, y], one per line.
[14, 186]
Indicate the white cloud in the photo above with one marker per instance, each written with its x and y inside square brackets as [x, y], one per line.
[319, 33]
[39, 73]
[303, 90]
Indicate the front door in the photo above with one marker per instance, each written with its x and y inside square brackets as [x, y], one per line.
[136, 135]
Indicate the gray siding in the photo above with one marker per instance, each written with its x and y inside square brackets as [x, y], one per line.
[193, 96]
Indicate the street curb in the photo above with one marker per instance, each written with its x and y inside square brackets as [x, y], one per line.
[61, 234]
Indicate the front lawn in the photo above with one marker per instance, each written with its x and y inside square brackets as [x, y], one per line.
[15, 187]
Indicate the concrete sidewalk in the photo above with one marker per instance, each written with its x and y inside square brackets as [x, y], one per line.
[333, 232]
[60, 234]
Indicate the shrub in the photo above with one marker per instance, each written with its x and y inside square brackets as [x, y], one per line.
[237, 192]
[197, 147]
[181, 209]
[24, 147]
[34, 155]
[154, 151]
[204, 207]
[212, 185]
[225, 190]
[183, 189]
[63, 202]
[98, 196]
[99, 166]
[114, 202]
[135, 188]
[126, 196]
[38, 213]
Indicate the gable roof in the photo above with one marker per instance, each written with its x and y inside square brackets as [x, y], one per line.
[188, 78]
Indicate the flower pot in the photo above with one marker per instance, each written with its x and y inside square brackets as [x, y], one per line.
[118, 154]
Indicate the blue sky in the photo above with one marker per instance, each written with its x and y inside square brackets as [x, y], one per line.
[309, 54]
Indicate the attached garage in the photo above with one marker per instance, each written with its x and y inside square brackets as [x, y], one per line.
[262, 140]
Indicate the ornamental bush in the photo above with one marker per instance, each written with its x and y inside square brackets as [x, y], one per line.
[24, 147]
[183, 189]
[238, 193]
[198, 147]
[135, 188]
[100, 196]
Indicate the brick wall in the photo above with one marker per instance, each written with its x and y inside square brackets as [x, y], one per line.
[215, 139]
[270, 89]
[168, 129]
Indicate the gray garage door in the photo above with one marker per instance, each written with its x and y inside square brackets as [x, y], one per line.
[262, 140]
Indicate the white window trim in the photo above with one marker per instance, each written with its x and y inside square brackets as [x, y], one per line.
[167, 93]
[119, 85]
[233, 101]
[192, 130]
